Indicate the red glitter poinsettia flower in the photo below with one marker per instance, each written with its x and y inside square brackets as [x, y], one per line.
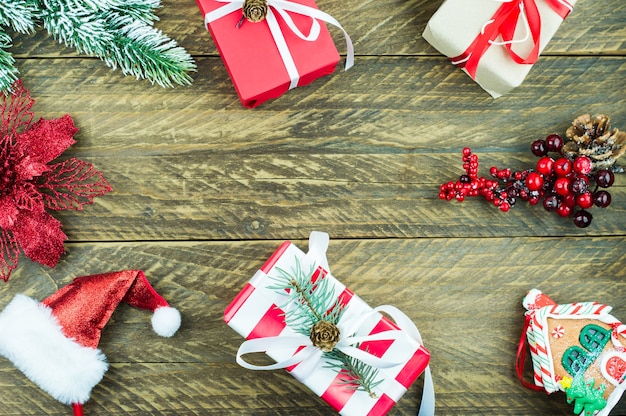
[30, 185]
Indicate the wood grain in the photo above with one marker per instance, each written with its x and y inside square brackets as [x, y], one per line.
[205, 190]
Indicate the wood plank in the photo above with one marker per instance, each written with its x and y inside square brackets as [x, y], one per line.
[381, 101]
[472, 325]
[184, 208]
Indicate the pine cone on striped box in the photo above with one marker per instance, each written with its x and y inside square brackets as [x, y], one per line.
[594, 138]
[255, 10]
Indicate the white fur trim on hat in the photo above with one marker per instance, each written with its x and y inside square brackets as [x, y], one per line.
[166, 321]
[31, 337]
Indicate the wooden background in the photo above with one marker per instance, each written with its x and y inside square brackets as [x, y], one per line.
[205, 190]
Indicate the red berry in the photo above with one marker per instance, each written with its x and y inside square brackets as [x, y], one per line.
[562, 167]
[582, 218]
[605, 178]
[569, 200]
[493, 171]
[602, 199]
[562, 186]
[585, 200]
[442, 195]
[564, 210]
[545, 165]
[467, 151]
[582, 165]
[538, 148]
[551, 202]
[534, 181]
[554, 143]
[580, 185]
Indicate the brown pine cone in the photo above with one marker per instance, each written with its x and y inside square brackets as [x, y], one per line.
[255, 10]
[324, 335]
[594, 138]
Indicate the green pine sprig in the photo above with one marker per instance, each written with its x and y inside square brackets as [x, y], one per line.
[18, 15]
[119, 32]
[365, 375]
[8, 71]
[309, 302]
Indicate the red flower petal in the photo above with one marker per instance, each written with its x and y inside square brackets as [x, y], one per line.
[27, 197]
[9, 254]
[8, 212]
[40, 237]
[27, 169]
[72, 184]
[47, 139]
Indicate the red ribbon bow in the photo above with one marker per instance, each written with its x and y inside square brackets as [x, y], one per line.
[503, 23]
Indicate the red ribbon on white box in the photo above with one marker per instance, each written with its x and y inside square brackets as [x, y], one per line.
[282, 7]
[504, 23]
[309, 357]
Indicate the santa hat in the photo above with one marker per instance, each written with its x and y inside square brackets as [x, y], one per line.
[55, 342]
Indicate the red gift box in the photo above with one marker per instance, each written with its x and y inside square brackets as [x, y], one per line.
[251, 52]
[258, 314]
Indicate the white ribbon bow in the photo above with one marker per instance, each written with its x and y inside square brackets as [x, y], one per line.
[309, 357]
[282, 7]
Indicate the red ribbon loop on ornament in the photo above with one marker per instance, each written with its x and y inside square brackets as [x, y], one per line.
[520, 358]
[504, 23]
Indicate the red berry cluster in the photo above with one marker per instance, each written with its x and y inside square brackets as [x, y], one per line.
[563, 185]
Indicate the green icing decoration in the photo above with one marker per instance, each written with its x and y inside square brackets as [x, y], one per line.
[585, 397]
[593, 338]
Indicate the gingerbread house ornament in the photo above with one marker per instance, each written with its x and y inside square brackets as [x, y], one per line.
[577, 348]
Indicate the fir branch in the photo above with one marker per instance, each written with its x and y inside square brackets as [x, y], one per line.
[317, 297]
[140, 50]
[119, 32]
[139, 10]
[305, 298]
[18, 14]
[75, 25]
[8, 70]
[359, 375]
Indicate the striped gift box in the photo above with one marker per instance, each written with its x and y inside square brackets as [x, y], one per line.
[254, 314]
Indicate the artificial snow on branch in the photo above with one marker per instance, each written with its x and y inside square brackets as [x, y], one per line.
[119, 32]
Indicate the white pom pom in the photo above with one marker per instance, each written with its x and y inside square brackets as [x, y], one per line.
[166, 321]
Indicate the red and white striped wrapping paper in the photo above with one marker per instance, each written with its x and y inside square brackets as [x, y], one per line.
[254, 314]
